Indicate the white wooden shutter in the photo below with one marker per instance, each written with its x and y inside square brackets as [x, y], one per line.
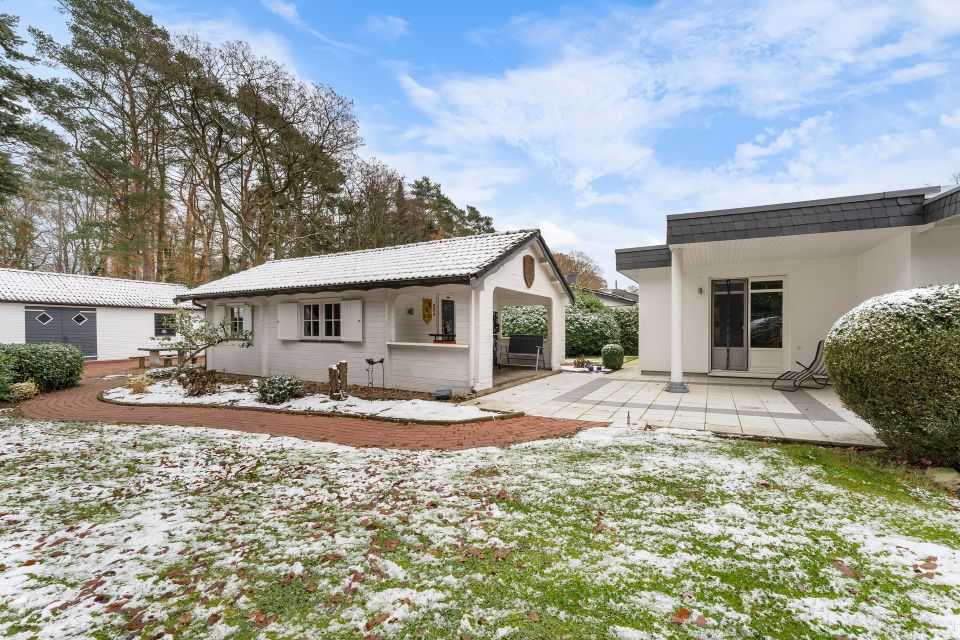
[351, 321]
[288, 321]
[248, 318]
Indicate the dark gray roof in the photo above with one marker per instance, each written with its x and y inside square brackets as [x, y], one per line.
[942, 205]
[852, 213]
[624, 296]
[643, 257]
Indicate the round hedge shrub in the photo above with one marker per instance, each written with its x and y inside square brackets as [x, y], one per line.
[523, 321]
[277, 389]
[628, 324]
[51, 365]
[612, 355]
[587, 331]
[895, 361]
[7, 376]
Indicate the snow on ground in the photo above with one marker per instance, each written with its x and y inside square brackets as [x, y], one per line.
[572, 369]
[236, 395]
[158, 531]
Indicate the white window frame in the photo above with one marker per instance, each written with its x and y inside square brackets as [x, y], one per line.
[246, 318]
[322, 304]
[338, 320]
[783, 310]
[303, 320]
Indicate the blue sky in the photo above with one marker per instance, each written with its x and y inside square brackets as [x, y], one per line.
[593, 120]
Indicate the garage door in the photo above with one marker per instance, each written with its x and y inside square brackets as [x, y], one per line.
[63, 324]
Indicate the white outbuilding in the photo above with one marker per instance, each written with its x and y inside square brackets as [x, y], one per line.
[430, 310]
[106, 318]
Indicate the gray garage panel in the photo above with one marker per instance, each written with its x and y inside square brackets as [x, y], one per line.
[70, 325]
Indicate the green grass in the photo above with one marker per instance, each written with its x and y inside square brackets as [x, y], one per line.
[279, 538]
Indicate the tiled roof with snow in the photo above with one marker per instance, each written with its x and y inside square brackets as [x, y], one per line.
[18, 285]
[451, 259]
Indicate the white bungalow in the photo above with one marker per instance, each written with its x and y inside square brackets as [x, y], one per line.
[751, 291]
[106, 318]
[429, 309]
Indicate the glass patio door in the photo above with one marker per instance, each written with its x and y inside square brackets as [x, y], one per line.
[729, 310]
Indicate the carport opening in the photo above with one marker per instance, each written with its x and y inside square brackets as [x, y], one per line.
[528, 353]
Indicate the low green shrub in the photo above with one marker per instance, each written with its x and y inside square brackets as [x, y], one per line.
[7, 376]
[588, 331]
[20, 391]
[138, 384]
[628, 324]
[612, 356]
[277, 389]
[895, 361]
[51, 365]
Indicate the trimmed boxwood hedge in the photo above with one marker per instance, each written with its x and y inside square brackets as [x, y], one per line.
[523, 321]
[612, 356]
[895, 361]
[51, 365]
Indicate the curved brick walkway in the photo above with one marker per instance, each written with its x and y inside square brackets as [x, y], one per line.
[81, 403]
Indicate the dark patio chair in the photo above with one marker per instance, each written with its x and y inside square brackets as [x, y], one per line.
[815, 372]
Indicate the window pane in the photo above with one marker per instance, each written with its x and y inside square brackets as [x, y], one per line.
[447, 325]
[766, 284]
[766, 320]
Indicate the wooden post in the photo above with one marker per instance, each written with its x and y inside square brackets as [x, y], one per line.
[334, 373]
[342, 369]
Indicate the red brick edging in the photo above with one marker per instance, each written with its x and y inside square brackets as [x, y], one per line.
[82, 404]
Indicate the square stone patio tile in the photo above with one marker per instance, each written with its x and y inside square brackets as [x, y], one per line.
[750, 422]
[658, 415]
[680, 423]
[723, 428]
[727, 419]
[770, 431]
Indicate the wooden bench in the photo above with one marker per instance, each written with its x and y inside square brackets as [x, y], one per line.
[524, 347]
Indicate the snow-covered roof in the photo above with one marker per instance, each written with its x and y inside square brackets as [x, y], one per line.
[437, 261]
[18, 285]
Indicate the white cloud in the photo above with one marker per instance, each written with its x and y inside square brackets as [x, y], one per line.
[389, 28]
[951, 120]
[291, 14]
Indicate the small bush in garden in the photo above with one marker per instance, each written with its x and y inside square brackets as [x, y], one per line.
[612, 355]
[20, 391]
[588, 331]
[198, 381]
[160, 373]
[7, 376]
[895, 361]
[581, 362]
[51, 365]
[138, 384]
[277, 389]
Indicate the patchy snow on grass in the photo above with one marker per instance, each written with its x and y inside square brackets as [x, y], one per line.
[236, 395]
[159, 531]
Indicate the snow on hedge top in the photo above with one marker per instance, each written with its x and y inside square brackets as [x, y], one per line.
[450, 258]
[935, 299]
[17, 285]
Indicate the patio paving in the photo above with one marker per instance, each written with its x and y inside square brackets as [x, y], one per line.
[741, 406]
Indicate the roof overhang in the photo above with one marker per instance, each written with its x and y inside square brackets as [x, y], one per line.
[466, 279]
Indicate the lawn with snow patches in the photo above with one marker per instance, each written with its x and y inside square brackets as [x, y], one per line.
[235, 395]
[113, 531]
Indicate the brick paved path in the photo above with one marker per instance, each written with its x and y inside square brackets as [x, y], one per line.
[81, 404]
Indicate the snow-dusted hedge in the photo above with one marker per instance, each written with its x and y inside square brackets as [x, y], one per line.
[612, 355]
[588, 331]
[895, 361]
[523, 321]
[277, 389]
[628, 324]
[7, 376]
[51, 365]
